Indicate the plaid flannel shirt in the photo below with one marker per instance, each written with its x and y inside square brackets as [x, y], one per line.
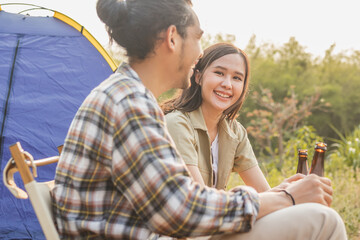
[120, 176]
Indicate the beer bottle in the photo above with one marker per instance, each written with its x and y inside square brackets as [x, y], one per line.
[302, 166]
[317, 164]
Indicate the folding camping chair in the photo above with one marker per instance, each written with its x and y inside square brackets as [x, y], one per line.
[38, 192]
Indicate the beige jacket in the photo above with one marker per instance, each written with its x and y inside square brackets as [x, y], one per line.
[192, 140]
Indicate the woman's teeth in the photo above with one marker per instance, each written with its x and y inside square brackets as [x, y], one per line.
[222, 95]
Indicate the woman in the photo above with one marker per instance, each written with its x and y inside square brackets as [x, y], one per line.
[202, 120]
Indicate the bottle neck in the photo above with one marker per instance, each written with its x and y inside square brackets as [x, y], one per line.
[318, 154]
[317, 165]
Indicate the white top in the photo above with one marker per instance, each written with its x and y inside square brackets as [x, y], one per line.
[215, 157]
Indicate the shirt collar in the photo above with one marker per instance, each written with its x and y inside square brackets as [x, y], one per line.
[198, 121]
[127, 70]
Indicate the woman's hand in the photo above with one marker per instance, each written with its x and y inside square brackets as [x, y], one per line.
[311, 188]
[287, 182]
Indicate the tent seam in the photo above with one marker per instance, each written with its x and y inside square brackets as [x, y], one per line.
[7, 101]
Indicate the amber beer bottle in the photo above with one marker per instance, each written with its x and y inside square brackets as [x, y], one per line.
[317, 164]
[302, 166]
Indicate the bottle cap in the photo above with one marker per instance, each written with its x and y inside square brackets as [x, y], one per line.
[321, 145]
[302, 152]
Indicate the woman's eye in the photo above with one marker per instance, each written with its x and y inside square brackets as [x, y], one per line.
[219, 73]
[238, 78]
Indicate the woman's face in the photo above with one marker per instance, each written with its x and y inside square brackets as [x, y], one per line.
[222, 83]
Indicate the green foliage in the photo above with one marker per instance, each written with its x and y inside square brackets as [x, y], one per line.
[277, 68]
[303, 138]
[339, 81]
[346, 199]
[207, 40]
[346, 150]
[335, 76]
[167, 95]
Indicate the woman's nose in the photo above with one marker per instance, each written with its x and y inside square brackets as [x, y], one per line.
[226, 83]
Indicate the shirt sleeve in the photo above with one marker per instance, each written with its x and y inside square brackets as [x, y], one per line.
[154, 179]
[183, 135]
[244, 156]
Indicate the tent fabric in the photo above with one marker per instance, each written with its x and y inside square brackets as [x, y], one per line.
[47, 68]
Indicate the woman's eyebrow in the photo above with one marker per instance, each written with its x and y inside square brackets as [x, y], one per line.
[224, 68]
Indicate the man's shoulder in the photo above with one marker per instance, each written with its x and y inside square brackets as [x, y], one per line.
[119, 86]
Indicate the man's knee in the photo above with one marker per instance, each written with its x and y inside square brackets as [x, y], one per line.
[333, 221]
[323, 221]
[303, 221]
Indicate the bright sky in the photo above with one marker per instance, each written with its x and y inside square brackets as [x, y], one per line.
[315, 24]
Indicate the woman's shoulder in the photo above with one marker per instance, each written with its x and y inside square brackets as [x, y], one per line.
[235, 124]
[176, 116]
[236, 128]
[178, 123]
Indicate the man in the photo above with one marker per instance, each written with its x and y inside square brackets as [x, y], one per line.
[119, 175]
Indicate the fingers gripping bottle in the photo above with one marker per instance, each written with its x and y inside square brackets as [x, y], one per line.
[317, 164]
[302, 166]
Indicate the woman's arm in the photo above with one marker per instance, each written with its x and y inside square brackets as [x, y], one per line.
[254, 177]
[195, 173]
[245, 162]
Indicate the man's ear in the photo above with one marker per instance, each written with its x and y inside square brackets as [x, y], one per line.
[197, 77]
[172, 37]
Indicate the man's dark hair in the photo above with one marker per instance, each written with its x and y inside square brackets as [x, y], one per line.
[136, 24]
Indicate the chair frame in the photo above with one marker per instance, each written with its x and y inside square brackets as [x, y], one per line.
[38, 192]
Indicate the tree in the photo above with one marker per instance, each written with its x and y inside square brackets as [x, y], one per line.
[207, 40]
[274, 121]
[339, 81]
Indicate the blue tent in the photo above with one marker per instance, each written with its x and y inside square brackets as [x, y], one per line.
[48, 65]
